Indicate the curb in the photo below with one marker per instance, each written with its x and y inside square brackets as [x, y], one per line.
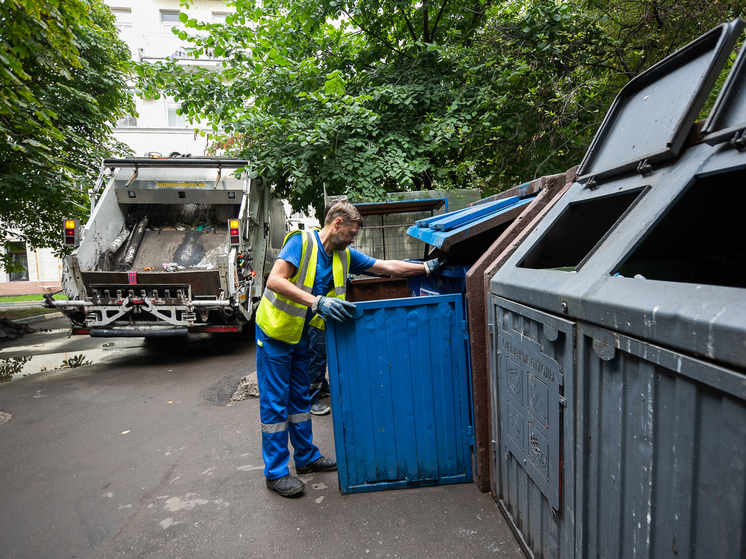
[21, 305]
[39, 318]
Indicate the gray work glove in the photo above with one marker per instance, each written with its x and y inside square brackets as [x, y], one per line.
[432, 266]
[332, 307]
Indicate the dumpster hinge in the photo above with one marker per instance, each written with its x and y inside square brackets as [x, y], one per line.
[645, 168]
[470, 432]
[563, 401]
[465, 328]
[494, 446]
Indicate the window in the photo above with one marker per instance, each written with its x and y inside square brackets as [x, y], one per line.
[219, 17]
[124, 17]
[17, 253]
[175, 120]
[169, 20]
[128, 121]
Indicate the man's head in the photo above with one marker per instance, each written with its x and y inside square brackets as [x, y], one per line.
[343, 222]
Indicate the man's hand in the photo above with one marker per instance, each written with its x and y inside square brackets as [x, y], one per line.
[432, 266]
[332, 307]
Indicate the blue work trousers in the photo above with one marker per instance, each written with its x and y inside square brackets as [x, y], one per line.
[317, 365]
[284, 405]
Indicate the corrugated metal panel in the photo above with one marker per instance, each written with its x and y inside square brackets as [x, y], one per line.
[400, 394]
[662, 466]
[653, 462]
[538, 502]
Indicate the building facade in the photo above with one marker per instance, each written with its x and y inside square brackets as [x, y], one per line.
[146, 26]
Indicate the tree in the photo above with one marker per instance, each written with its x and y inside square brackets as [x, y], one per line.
[334, 94]
[373, 96]
[63, 76]
[543, 74]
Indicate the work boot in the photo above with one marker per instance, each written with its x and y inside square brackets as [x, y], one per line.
[320, 465]
[287, 485]
[320, 409]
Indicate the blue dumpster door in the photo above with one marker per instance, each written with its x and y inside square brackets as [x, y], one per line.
[400, 389]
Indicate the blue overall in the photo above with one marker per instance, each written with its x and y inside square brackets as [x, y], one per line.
[284, 405]
[282, 374]
[317, 365]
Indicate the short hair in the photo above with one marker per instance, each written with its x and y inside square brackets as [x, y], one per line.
[344, 210]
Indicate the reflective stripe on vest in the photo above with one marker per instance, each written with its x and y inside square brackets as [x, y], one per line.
[340, 266]
[283, 319]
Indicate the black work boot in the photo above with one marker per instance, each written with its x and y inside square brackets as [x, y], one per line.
[287, 485]
[320, 465]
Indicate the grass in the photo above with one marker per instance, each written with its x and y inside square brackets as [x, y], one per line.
[17, 298]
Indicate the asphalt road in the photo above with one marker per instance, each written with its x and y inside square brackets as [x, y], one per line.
[142, 454]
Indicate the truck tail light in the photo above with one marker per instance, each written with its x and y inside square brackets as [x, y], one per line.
[233, 228]
[71, 233]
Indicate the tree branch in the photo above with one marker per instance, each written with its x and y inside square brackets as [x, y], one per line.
[437, 19]
[409, 24]
[372, 34]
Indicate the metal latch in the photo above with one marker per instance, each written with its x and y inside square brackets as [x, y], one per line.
[645, 168]
[738, 141]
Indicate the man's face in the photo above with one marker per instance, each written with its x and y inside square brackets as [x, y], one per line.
[343, 234]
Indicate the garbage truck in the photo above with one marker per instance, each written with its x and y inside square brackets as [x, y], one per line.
[173, 246]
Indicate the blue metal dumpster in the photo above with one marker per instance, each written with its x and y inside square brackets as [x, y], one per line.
[400, 386]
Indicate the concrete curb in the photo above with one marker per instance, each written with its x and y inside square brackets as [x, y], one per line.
[20, 305]
[39, 318]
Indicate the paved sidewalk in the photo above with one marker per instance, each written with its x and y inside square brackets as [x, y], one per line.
[143, 456]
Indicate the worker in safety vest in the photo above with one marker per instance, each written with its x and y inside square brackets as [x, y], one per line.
[306, 285]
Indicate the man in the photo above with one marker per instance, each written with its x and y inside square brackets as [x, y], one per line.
[306, 285]
[317, 363]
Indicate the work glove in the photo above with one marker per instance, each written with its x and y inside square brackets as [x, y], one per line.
[332, 307]
[432, 266]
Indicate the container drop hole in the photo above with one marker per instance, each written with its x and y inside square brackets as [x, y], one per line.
[577, 231]
[700, 239]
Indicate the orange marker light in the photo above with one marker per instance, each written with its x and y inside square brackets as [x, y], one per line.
[233, 226]
[70, 233]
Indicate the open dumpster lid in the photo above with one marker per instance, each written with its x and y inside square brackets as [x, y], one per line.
[402, 206]
[653, 114]
[728, 116]
[444, 231]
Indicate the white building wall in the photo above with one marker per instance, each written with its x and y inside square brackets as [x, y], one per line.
[145, 25]
[44, 272]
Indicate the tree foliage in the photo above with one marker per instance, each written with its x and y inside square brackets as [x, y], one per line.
[371, 96]
[63, 76]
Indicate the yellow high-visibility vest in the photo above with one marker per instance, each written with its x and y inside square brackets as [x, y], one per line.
[281, 318]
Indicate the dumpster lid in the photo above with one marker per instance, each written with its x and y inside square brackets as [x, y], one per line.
[653, 114]
[402, 206]
[444, 231]
[728, 115]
